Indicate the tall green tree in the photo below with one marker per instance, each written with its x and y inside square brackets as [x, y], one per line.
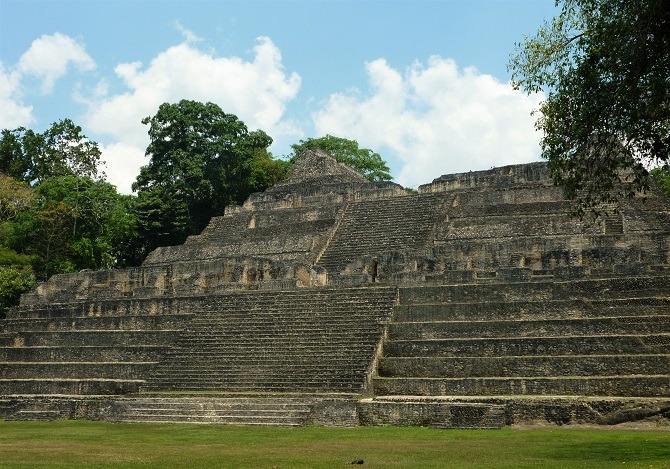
[201, 160]
[16, 273]
[61, 150]
[365, 161]
[604, 65]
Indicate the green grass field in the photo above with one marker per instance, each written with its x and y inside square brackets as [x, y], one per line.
[101, 445]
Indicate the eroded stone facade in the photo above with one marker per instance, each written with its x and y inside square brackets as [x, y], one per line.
[332, 300]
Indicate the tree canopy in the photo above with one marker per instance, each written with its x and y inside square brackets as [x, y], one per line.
[201, 160]
[61, 150]
[604, 65]
[57, 214]
[365, 161]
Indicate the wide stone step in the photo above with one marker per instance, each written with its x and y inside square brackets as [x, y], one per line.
[530, 309]
[234, 369]
[268, 322]
[283, 342]
[514, 225]
[96, 386]
[629, 287]
[84, 353]
[271, 405]
[289, 420]
[633, 385]
[240, 376]
[278, 344]
[304, 300]
[530, 328]
[412, 411]
[226, 307]
[548, 366]
[475, 293]
[235, 407]
[244, 361]
[486, 347]
[271, 386]
[286, 339]
[92, 337]
[134, 322]
[74, 370]
[269, 330]
[558, 208]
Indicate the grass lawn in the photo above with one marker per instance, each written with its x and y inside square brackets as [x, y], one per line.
[101, 445]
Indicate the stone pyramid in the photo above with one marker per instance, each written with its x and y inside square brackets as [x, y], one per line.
[332, 300]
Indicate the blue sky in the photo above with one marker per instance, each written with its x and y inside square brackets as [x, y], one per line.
[424, 83]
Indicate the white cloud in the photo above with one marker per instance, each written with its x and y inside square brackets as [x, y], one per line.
[49, 57]
[436, 119]
[256, 91]
[14, 113]
[122, 164]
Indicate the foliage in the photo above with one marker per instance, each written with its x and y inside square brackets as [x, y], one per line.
[14, 280]
[62, 150]
[74, 223]
[57, 214]
[202, 160]
[661, 176]
[605, 66]
[365, 161]
[15, 197]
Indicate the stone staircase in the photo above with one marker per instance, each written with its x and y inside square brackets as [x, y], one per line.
[289, 235]
[375, 227]
[296, 341]
[82, 349]
[530, 342]
[265, 410]
[173, 357]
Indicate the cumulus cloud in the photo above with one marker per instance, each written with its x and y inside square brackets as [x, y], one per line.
[256, 91]
[435, 119]
[49, 57]
[14, 113]
[122, 163]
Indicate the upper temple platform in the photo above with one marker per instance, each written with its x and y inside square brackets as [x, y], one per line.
[328, 225]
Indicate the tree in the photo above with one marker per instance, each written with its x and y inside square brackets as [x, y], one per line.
[74, 223]
[14, 281]
[15, 196]
[661, 176]
[201, 160]
[604, 65]
[365, 161]
[16, 274]
[62, 150]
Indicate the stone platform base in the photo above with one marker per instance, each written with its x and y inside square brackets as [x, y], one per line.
[494, 412]
[234, 409]
[342, 410]
[440, 413]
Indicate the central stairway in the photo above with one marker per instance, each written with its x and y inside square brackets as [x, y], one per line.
[295, 341]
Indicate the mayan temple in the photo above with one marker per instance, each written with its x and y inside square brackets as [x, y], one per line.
[332, 300]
